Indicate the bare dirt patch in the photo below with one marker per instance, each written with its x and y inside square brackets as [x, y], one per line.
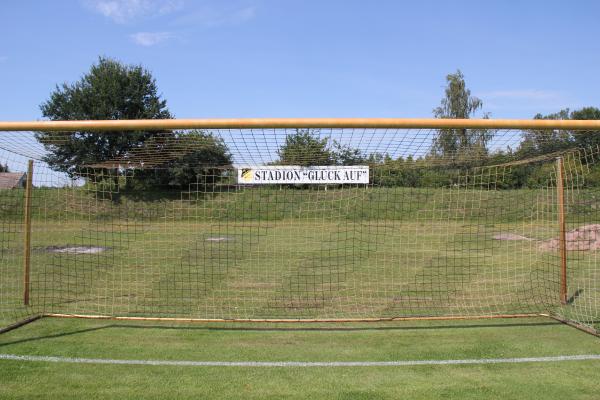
[510, 236]
[76, 249]
[219, 239]
[584, 238]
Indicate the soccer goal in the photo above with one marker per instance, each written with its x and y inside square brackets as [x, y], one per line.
[300, 220]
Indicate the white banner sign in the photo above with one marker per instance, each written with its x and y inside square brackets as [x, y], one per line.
[274, 174]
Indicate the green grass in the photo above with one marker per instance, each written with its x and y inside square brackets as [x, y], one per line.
[285, 269]
[273, 203]
[304, 254]
[324, 342]
[292, 253]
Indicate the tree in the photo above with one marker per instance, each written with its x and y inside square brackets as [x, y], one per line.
[545, 141]
[4, 168]
[110, 90]
[199, 164]
[460, 144]
[347, 155]
[589, 139]
[305, 148]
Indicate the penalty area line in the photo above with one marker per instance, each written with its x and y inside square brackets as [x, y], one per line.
[76, 360]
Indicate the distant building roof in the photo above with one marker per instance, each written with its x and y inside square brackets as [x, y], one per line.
[11, 180]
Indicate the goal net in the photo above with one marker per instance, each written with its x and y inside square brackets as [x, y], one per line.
[300, 219]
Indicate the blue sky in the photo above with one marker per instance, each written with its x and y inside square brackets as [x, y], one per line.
[328, 58]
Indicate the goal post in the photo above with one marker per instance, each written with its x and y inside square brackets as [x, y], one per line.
[300, 220]
[560, 194]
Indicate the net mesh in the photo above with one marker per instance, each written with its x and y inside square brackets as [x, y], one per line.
[452, 223]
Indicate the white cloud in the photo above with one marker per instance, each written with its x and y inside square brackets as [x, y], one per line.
[148, 39]
[523, 94]
[122, 11]
[528, 100]
[241, 15]
[214, 17]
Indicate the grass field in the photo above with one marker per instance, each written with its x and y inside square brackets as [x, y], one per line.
[286, 253]
[440, 340]
[286, 269]
[299, 254]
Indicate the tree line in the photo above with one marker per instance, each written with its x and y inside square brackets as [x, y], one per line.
[111, 90]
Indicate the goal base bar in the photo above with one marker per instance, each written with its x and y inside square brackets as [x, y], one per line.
[294, 320]
[572, 324]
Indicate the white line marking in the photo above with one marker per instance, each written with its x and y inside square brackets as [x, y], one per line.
[75, 360]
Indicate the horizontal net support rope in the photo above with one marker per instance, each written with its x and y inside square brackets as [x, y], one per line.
[204, 221]
[282, 123]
